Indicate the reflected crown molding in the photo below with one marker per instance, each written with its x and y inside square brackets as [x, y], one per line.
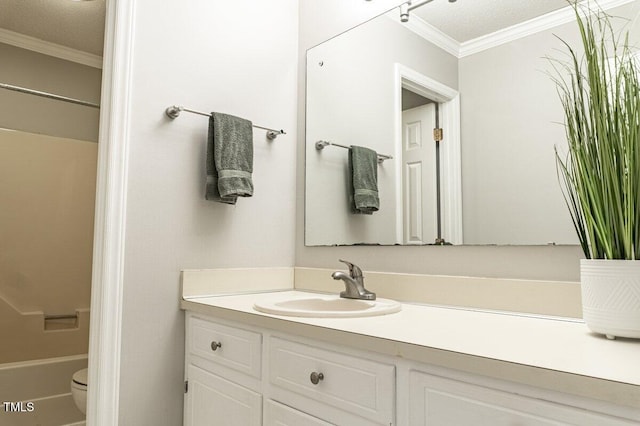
[52, 49]
[497, 38]
[527, 28]
[429, 33]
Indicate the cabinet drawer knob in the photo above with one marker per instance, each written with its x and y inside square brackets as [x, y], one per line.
[316, 377]
[215, 345]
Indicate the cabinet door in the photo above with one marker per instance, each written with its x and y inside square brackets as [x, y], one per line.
[439, 401]
[276, 414]
[212, 400]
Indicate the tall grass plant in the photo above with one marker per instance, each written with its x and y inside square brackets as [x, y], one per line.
[600, 174]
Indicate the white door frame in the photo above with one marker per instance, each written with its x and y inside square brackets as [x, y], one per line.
[450, 179]
[109, 230]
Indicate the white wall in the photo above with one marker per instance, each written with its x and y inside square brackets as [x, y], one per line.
[510, 128]
[237, 57]
[322, 19]
[346, 111]
[511, 121]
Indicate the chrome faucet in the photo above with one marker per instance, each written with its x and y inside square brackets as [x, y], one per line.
[354, 283]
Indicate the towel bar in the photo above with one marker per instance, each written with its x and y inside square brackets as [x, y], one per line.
[321, 144]
[174, 112]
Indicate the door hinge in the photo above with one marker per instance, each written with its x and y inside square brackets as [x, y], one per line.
[186, 386]
[437, 134]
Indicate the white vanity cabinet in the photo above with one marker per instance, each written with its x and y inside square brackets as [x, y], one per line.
[246, 375]
[223, 370]
[237, 375]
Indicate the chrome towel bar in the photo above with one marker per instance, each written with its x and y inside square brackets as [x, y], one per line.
[175, 110]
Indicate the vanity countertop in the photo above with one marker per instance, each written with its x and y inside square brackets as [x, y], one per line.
[539, 348]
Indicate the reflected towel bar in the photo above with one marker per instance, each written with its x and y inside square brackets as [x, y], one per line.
[321, 144]
[174, 112]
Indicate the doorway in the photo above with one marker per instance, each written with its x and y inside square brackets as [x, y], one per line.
[419, 175]
[428, 187]
[50, 85]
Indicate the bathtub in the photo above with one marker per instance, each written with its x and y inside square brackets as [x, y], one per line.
[40, 391]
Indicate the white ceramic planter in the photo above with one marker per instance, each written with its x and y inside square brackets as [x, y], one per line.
[611, 296]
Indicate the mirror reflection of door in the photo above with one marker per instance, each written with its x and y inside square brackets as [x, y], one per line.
[419, 169]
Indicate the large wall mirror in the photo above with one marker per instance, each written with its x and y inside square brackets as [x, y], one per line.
[481, 75]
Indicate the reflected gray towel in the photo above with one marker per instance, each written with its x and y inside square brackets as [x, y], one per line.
[229, 158]
[363, 165]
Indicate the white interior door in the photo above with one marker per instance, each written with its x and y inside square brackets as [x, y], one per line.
[419, 175]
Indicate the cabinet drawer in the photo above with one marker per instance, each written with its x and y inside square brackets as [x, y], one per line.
[281, 415]
[362, 387]
[231, 347]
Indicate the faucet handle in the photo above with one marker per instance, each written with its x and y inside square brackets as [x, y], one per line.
[354, 270]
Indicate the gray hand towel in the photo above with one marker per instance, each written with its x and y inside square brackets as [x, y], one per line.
[229, 158]
[363, 165]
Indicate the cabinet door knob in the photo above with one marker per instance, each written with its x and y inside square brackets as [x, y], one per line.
[215, 345]
[316, 377]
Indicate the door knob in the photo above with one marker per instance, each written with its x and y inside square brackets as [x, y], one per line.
[316, 377]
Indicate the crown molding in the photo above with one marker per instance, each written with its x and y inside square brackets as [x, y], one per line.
[506, 35]
[428, 32]
[433, 35]
[51, 49]
[527, 28]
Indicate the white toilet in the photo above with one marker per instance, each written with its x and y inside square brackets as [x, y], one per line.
[79, 389]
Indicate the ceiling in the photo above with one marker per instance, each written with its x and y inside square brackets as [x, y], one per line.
[80, 24]
[75, 24]
[465, 20]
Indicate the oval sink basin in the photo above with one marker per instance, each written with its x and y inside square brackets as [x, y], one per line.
[327, 307]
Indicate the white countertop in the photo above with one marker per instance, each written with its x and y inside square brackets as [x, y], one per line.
[555, 344]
